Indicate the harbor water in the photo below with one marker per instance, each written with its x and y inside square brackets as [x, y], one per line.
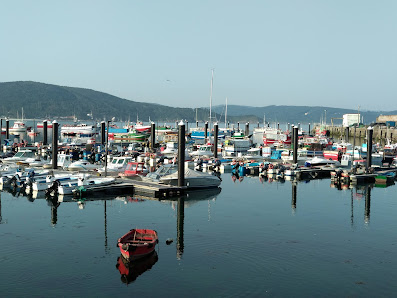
[252, 238]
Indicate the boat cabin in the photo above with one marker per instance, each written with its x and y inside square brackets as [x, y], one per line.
[134, 168]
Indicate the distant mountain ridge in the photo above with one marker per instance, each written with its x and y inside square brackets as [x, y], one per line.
[40, 100]
[297, 114]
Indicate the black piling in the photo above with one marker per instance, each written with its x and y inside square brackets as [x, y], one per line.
[7, 129]
[181, 155]
[216, 140]
[176, 124]
[45, 132]
[309, 130]
[187, 125]
[295, 156]
[103, 133]
[247, 129]
[196, 124]
[258, 124]
[299, 126]
[238, 126]
[152, 136]
[288, 127]
[206, 131]
[55, 145]
[278, 125]
[391, 137]
[1, 129]
[228, 124]
[369, 147]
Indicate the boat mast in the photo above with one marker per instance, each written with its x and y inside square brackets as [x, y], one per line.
[212, 82]
[226, 114]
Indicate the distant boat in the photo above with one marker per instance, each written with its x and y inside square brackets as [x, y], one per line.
[18, 127]
[41, 125]
[137, 243]
[78, 129]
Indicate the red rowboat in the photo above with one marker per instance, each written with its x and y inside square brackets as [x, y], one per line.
[137, 243]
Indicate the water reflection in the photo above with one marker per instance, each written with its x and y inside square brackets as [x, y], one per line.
[179, 228]
[294, 192]
[130, 270]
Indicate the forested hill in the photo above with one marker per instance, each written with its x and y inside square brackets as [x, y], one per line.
[40, 100]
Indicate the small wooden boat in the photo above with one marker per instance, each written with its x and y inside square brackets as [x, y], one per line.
[137, 243]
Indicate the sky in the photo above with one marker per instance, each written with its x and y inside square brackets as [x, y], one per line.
[339, 53]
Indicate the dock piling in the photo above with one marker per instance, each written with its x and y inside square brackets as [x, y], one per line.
[205, 131]
[103, 133]
[295, 156]
[7, 129]
[45, 132]
[369, 147]
[55, 144]
[181, 155]
[152, 135]
[216, 140]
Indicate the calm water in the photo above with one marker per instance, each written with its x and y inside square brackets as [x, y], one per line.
[252, 238]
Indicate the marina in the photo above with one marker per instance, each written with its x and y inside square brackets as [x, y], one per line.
[288, 208]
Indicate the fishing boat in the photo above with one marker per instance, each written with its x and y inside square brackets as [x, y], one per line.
[18, 127]
[82, 129]
[41, 125]
[137, 243]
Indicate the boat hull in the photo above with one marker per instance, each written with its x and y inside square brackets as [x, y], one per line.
[137, 243]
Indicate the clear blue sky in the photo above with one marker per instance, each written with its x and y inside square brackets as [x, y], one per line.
[339, 53]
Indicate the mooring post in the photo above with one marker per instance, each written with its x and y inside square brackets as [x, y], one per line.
[152, 135]
[181, 155]
[299, 127]
[196, 124]
[391, 137]
[107, 147]
[54, 145]
[238, 126]
[7, 129]
[354, 143]
[228, 124]
[309, 130]
[1, 130]
[295, 156]
[103, 133]
[180, 221]
[369, 147]
[258, 124]
[288, 127]
[45, 132]
[205, 131]
[247, 129]
[278, 126]
[216, 140]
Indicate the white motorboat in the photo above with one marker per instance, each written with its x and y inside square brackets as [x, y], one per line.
[82, 165]
[193, 179]
[203, 150]
[118, 164]
[320, 161]
[86, 182]
[20, 156]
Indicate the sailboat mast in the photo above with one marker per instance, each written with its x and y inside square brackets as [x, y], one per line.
[226, 114]
[212, 82]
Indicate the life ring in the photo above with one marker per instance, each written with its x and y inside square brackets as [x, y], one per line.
[271, 166]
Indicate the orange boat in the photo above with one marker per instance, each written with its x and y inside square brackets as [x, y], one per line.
[137, 243]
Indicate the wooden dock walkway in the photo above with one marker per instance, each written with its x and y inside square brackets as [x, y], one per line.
[130, 186]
